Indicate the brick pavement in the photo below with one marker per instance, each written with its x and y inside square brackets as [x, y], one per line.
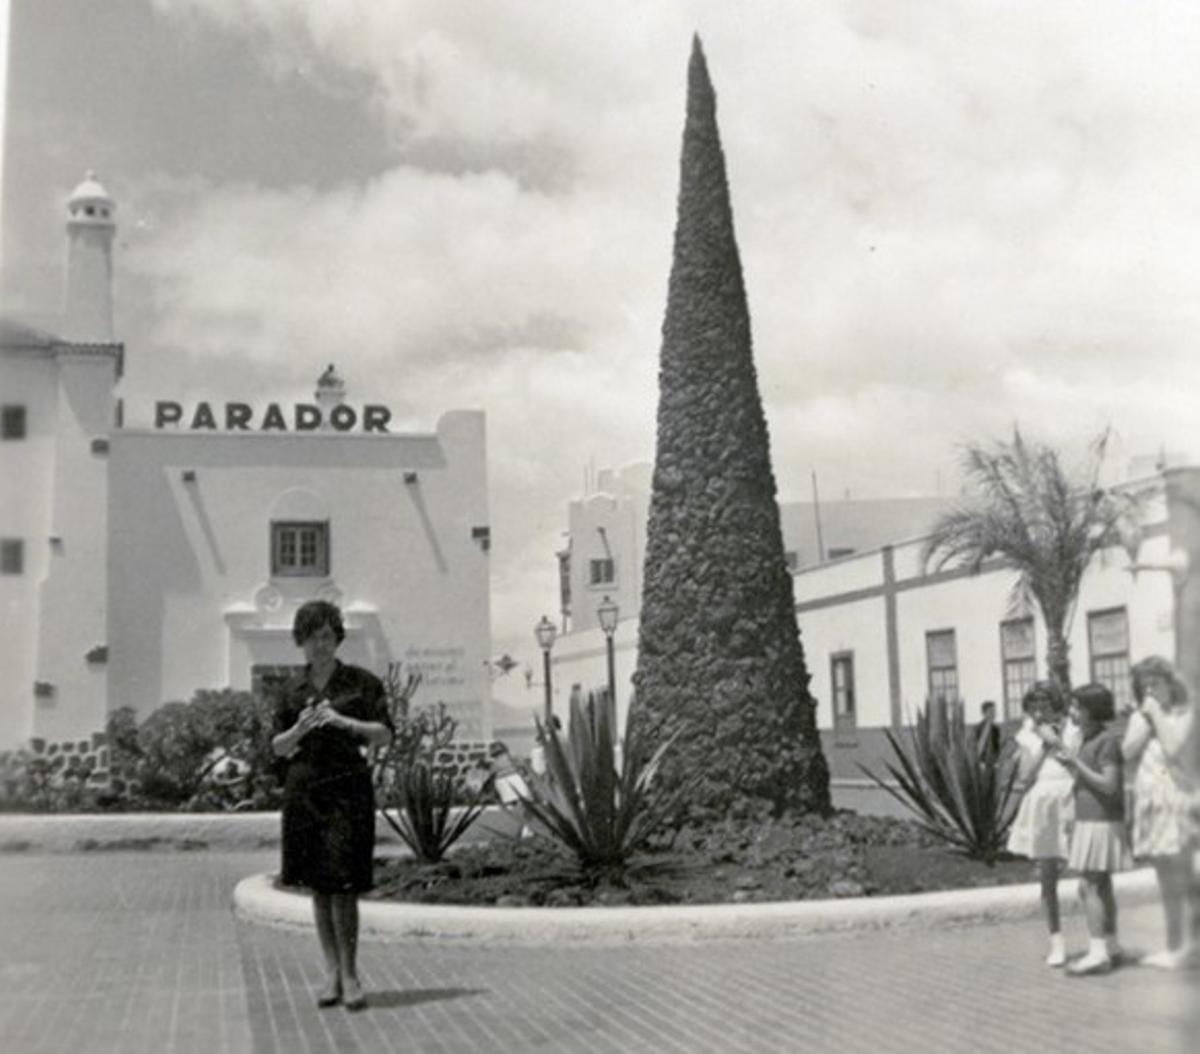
[128, 952]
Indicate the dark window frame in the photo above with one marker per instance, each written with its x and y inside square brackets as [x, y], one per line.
[1110, 668]
[602, 564]
[1017, 672]
[935, 675]
[12, 556]
[14, 421]
[288, 549]
[843, 697]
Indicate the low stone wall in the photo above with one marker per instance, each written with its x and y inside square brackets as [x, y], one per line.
[183, 831]
[83, 759]
[467, 759]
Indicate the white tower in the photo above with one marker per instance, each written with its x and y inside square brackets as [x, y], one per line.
[87, 315]
[70, 673]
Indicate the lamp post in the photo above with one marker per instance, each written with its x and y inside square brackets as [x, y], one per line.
[545, 633]
[607, 613]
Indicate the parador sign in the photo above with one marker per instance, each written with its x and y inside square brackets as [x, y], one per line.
[241, 417]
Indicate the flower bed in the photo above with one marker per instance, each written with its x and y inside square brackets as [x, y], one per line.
[805, 858]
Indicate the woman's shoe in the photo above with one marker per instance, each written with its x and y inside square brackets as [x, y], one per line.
[354, 998]
[331, 995]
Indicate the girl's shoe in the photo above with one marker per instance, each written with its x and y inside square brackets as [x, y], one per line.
[1092, 963]
[1058, 951]
[1177, 959]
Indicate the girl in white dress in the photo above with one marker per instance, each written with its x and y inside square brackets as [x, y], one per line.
[1162, 833]
[1041, 828]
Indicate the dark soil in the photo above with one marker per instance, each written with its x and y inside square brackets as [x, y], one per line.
[844, 855]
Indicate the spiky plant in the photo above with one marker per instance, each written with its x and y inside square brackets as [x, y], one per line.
[1028, 510]
[425, 811]
[957, 794]
[720, 665]
[599, 811]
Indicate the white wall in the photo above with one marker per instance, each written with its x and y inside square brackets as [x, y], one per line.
[29, 379]
[193, 604]
[859, 627]
[841, 606]
[71, 615]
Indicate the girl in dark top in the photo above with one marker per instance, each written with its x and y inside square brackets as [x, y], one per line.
[325, 718]
[1098, 840]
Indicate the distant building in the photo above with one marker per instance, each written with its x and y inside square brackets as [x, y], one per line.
[880, 635]
[141, 564]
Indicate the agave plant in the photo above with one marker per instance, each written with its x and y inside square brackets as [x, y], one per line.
[425, 814]
[596, 810]
[957, 795]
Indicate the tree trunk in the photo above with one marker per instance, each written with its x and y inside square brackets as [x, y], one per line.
[1058, 657]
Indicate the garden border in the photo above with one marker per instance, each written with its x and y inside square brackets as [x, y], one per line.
[257, 899]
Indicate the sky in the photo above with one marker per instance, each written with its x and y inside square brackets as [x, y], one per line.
[953, 217]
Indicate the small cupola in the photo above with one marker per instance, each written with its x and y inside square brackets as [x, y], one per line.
[90, 203]
[330, 393]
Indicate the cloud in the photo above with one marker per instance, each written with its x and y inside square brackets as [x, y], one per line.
[952, 218]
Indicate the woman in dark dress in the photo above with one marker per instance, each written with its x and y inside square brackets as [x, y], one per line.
[324, 719]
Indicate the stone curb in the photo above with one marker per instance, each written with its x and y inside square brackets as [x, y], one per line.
[258, 900]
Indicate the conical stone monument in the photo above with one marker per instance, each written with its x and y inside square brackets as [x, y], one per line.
[719, 654]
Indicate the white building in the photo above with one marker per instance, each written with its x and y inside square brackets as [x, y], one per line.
[142, 564]
[880, 635]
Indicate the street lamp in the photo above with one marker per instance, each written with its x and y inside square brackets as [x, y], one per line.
[545, 633]
[607, 613]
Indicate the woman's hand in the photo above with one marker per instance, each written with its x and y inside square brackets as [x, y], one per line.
[325, 714]
[1151, 709]
[1049, 736]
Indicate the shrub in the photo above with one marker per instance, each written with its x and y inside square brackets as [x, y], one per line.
[957, 795]
[211, 753]
[583, 803]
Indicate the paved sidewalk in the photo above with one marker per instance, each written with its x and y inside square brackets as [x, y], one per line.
[128, 952]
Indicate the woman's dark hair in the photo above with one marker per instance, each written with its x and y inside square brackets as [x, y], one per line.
[312, 616]
[1041, 696]
[1096, 700]
[1157, 666]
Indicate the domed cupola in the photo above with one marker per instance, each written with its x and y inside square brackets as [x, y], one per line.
[330, 393]
[90, 203]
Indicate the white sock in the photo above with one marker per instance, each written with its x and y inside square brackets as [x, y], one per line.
[1056, 944]
[1111, 944]
[1097, 948]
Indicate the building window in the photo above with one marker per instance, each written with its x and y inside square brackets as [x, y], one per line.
[1018, 660]
[12, 422]
[836, 552]
[602, 572]
[841, 679]
[300, 549]
[564, 582]
[942, 659]
[1108, 647]
[12, 556]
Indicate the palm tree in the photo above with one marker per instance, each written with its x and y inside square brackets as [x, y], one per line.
[1045, 522]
